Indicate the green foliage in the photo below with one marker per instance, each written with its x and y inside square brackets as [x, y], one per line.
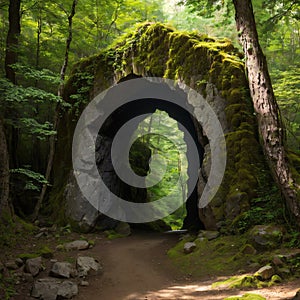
[161, 134]
[32, 180]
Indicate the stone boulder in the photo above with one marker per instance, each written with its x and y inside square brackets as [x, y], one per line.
[266, 237]
[265, 273]
[52, 289]
[123, 229]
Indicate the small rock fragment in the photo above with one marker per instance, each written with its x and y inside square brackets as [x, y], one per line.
[189, 247]
[19, 262]
[33, 266]
[77, 245]
[88, 266]
[84, 283]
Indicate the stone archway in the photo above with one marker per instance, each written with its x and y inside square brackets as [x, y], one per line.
[211, 67]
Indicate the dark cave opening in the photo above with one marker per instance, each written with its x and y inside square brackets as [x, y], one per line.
[129, 111]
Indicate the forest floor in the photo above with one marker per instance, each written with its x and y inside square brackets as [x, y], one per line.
[137, 267]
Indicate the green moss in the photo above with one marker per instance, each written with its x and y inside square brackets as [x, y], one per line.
[112, 235]
[217, 257]
[245, 281]
[45, 252]
[25, 256]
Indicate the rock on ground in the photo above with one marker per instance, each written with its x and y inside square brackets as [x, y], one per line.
[189, 247]
[62, 270]
[265, 272]
[77, 245]
[33, 266]
[87, 266]
[51, 289]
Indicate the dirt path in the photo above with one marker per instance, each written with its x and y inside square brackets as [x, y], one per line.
[137, 268]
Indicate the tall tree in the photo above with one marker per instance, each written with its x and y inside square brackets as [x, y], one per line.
[270, 123]
[11, 57]
[5, 207]
[52, 141]
[265, 105]
[12, 40]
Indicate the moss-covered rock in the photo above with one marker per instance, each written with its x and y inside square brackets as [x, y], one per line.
[266, 237]
[213, 68]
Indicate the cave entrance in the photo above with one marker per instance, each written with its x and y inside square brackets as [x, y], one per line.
[154, 132]
[156, 119]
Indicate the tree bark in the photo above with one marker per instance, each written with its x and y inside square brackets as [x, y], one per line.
[265, 105]
[5, 207]
[12, 40]
[52, 141]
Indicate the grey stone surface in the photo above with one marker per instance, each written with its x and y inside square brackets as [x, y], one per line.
[265, 272]
[67, 290]
[52, 289]
[189, 247]
[33, 266]
[45, 289]
[266, 237]
[87, 266]
[77, 245]
[63, 270]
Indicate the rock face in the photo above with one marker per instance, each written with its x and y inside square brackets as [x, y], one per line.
[214, 69]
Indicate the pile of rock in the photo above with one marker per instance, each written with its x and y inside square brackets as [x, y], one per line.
[62, 279]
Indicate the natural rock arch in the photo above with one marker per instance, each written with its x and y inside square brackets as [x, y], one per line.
[211, 67]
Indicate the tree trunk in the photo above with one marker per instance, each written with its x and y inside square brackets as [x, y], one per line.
[11, 57]
[265, 105]
[5, 207]
[52, 141]
[12, 40]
